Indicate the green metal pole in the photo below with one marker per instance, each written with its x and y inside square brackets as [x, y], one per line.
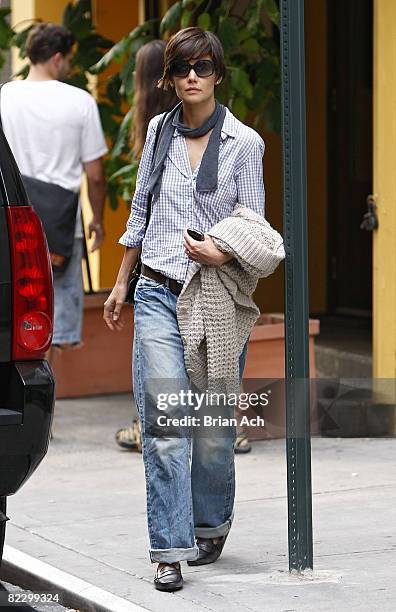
[298, 443]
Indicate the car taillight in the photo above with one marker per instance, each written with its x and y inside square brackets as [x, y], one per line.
[32, 285]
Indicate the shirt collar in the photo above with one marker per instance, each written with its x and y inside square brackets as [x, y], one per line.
[228, 128]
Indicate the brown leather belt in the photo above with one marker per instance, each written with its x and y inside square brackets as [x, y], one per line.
[171, 283]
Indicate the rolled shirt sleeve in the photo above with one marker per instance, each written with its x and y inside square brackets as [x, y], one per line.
[249, 179]
[136, 224]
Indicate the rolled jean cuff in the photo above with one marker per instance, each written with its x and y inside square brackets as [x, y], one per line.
[214, 532]
[171, 555]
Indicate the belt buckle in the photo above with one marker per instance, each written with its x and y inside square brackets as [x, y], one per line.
[167, 282]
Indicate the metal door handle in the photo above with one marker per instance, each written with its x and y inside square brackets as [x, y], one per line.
[370, 219]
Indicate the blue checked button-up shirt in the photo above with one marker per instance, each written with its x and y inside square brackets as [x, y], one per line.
[179, 205]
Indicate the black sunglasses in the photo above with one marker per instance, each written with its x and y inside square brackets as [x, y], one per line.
[202, 68]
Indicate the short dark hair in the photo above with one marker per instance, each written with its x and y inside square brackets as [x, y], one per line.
[188, 43]
[46, 39]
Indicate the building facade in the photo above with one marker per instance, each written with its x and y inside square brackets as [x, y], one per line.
[351, 147]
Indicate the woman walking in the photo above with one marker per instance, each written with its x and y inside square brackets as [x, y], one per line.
[148, 101]
[198, 167]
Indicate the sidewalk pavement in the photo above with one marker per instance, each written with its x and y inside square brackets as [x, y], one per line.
[83, 512]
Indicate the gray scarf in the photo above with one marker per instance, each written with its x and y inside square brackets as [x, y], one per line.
[208, 171]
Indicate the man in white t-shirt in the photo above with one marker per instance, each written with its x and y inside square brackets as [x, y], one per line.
[55, 134]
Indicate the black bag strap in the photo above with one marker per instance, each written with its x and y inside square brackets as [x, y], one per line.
[150, 196]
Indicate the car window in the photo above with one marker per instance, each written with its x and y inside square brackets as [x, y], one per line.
[12, 190]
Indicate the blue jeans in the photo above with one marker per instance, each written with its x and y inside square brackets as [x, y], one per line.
[190, 482]
[69, 300]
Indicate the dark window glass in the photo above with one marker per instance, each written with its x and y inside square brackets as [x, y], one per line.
[12, 190]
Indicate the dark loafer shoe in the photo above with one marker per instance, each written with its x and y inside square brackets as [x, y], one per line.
[208, 550]
[168, 578]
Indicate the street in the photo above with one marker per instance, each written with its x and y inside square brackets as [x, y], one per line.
[83, 512]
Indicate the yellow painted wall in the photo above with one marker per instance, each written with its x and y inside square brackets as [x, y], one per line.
[50, 10]
[114, 19]
[21, 10]
[384, 239]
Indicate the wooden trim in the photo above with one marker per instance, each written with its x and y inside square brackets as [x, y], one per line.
[384, 245]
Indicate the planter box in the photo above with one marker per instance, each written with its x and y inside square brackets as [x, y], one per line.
[103, 364]
[265, 369]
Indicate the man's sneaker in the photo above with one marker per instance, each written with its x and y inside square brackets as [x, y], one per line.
[168, 577]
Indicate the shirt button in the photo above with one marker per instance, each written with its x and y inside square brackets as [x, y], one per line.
[190, 371]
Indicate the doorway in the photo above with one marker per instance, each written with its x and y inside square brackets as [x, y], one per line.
[350, 72]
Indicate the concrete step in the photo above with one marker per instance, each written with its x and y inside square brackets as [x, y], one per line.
[335, 363]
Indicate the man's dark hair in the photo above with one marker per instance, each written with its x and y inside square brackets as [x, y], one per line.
[45, 40]
[189, 43]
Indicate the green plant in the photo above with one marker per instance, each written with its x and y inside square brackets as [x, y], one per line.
[6, 34]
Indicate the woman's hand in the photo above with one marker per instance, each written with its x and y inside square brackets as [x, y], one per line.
[204, 251]
[113, 306]
[116, 299]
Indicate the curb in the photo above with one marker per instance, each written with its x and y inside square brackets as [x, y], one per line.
[30, 573]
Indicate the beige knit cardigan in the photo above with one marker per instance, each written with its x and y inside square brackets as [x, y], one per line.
[215, 309]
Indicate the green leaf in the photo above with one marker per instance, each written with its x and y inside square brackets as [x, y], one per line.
[185, 19]
[88, 53]
[144, 28]
[204, 21]
[78, 79]
[100, 41]
[113, 91]
[19, 40]
[22, 72]
[115, 53]
[128, 169]
[239, 108]
[127, 75]
[112, 165]
[90, 50]
[113, 200]
[6, 32]
[126, 193]
[6, 35]
[227, 33]
[240, 81]
[250, 46]
[272, 11]
[263, 84]
[273, 115]
[171, 18]
[77, 17]
[243, 34]
[123, 135]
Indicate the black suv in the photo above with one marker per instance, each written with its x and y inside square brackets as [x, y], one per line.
[26, 322]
